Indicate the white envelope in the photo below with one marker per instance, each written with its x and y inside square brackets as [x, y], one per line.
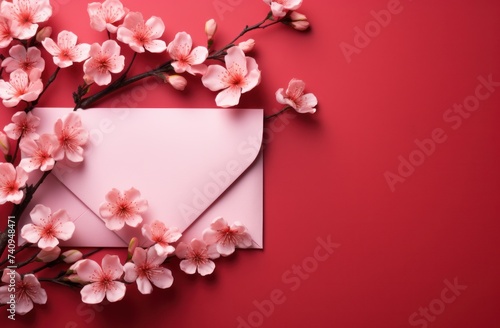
[192, 165]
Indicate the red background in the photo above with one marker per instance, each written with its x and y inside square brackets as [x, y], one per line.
[324, 173]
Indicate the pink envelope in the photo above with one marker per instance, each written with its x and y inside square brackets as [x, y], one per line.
[192, 165]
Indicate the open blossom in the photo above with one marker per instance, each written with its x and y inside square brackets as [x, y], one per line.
[11, 181]
[21, 86]
[162, 236]
[20, 58]
[66, 51]
[71, 136]
[123, 208]
[226, 237]
[241, 75]
[47, 227]
[186, 60]
[104, 15]
[294, 97]
[38, 153]
[6, 33]
[25, 14]
[140, 35]
[27, 290]
[103, 61]
[103, 280]
[145, 270]
[23, 125]
[196, 256]
[281, 7]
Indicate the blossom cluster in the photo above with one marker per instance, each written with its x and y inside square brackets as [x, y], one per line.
[27, 39]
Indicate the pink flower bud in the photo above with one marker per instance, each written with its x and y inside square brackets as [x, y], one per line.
[4, 143]
[210, 28]
[88, 79]
[48, 255]
[43, 33]
[131, 247]
[247, 45]
[72, 256]
[177, 82]
[74, 267]
[298, 21]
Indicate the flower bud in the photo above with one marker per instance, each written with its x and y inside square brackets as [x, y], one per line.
[74, 267]
[4, 143]
[210, 28]
[298, 21]
[46, 255]
[45, 32]
[247, 45]
[177, 82]
[74, 278]
[88, 79]
[72, 256]
[131, 247]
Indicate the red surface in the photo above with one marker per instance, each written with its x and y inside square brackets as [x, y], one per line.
[324, 174]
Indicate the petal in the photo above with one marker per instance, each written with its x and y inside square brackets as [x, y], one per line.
[141, 205]
[154, 258]
[114, 223]
[213, 78]
[198, 55]
[51, 47]
[198, 245]
[162, 278]
[219, 224]
[80, 52]
[130, 272]
[156, 46]
[206, 268]
[280, 96]
[110, 48]
[139, 256]
[180, 46]
[113, 195]
[111, 265]
[229, 97]
[37, 293]
[18, 52]
[66, 39]
[132, 20]
[4, 294]
[225, 248]
[131, 194]
[24, 304]
[89, 270]
[236, 61]
[210, 236]
[134, 220]
[251, 80]
[157, 27]
[92, 294]
[307, 103]
[181, 250]
[31, 233]
[65, 231]
[187, 266]
[39, 214]
[295, 89]
[143, 285]
[116, 291]
[48, 242]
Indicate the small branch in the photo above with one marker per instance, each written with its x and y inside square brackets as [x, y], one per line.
[53, 263]
[277, 113]
[24, 246]
[17, 150]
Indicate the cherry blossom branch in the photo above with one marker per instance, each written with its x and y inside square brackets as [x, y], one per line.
[51, 79]
[24, 246]
[277, 113]
[13, 159]
[60, 260]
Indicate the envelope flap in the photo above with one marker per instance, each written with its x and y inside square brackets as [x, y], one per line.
[181, 160]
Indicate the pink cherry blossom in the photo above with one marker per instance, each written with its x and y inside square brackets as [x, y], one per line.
[27, 291]
[123, 208]
[23, 125]
[103, 15]
[47, 227]
[186, 60]
[66, 51]
[6, 33]
[226, 237]
[38, 153]
[25, 14]
[11, 181]
[294, 97]
[162, 236]
[20, 58]
[103, 61]
[241, 75]
[197, 256]
[145, 270]
[71, 136]
[21, 86]
[281, 7]
[140, 35]
[103, 281]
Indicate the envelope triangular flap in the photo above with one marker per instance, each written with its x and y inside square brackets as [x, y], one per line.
[181, 160]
